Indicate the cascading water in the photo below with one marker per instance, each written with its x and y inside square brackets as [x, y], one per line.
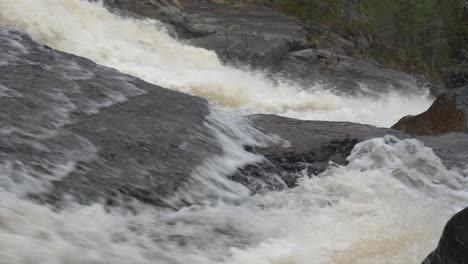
[365, 212]
[374, 210]
[144, 49]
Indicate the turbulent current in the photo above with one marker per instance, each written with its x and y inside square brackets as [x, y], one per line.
[144, 49]
[388, 205]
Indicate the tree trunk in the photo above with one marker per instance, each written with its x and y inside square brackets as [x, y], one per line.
[398, 36]
[434, 45]
[427, 33]
[347, 9]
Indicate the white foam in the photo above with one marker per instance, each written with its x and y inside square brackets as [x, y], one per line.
[360, 213]
[209, 180]
[375, 210]
[382, 111]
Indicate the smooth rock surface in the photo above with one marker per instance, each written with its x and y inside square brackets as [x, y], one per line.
[69, 126]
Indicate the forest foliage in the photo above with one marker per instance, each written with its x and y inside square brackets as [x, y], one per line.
[418, 33]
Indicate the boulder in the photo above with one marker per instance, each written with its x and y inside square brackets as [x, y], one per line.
[449, 113]
[453, 245]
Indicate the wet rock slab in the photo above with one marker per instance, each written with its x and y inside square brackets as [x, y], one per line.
[71, 127]
[257, 35]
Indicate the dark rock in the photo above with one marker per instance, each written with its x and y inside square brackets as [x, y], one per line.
[310, 146]
[449, 113]
[453, 245]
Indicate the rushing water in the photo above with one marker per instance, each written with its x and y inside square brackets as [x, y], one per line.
[144, 49]
[387, 206]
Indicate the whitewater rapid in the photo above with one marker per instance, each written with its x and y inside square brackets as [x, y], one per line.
[143, 48]
[388, 205]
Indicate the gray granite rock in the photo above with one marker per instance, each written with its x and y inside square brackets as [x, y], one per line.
[256, 35]
[69, 126]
